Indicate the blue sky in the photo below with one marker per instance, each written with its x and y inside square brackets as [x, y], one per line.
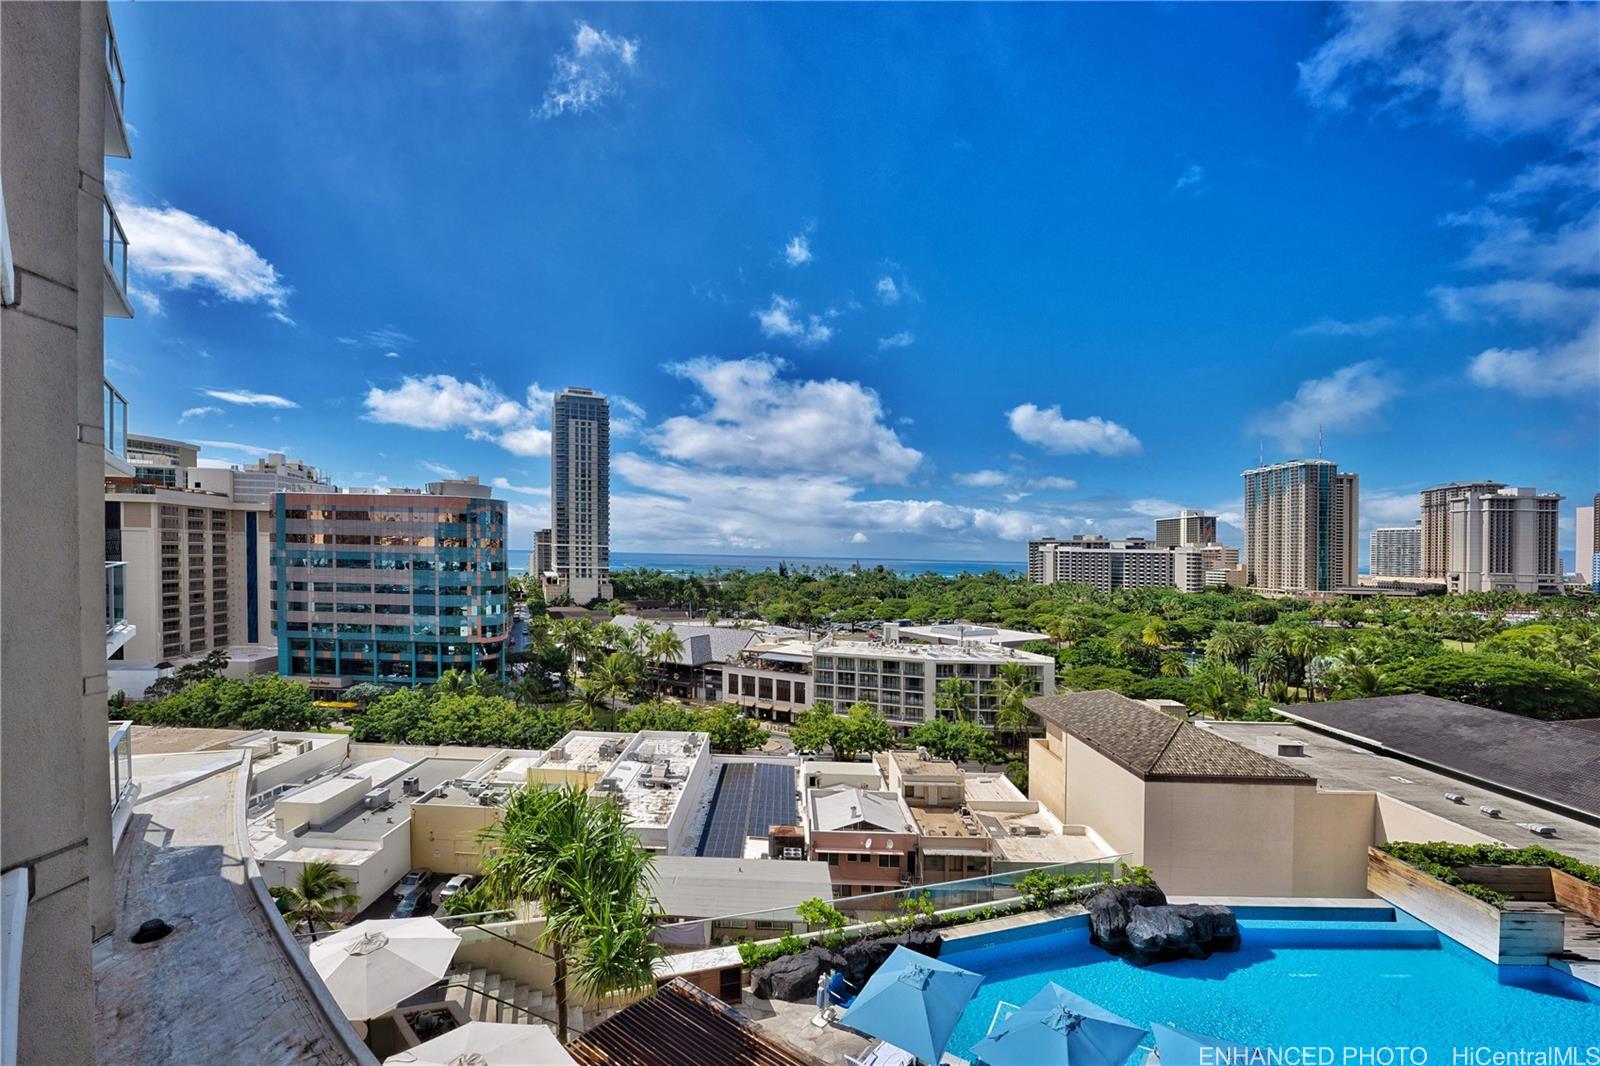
[890, 281]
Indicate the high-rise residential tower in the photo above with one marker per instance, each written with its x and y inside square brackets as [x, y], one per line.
[1436, 522]
[1505, 541]
[1189, 527]
[63, 270]
[1588, 531]
[1300, 521]
[1396, 552]
[580, 497]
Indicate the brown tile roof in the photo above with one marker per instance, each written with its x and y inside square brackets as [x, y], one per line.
[1156, 746]
[681, 1026]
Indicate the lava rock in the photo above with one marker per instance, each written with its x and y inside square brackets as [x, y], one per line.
[862, 958]
[1215, 927]
[1110, 909]
[793, 978]
[1161, 933]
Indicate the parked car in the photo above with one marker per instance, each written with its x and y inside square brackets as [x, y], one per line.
[415, 879]
[458, 883]
[413, 904]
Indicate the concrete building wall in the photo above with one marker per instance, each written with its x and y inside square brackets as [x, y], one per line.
[1397, 820]
[444, 836]
[1332, 831]
[1504, 541]
[56, 812]
[1220, 838]
[1583, 564]
[1102, 794]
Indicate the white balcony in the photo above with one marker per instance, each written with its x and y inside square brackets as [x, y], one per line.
[116, 94]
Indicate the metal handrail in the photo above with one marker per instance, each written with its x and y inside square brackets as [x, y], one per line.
[115, 239]
[114, 72]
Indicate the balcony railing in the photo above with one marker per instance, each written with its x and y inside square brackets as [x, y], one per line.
[114, 246]
[120, 755]
[116, 135]
[115, 420]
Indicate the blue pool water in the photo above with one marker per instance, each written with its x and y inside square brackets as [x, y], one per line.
[1340, 984]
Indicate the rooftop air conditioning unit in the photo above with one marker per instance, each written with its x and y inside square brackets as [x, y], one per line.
[1035, 830]
[411, 786]
[1291, 749]
[689, 747]
[378, 797]
[475, 788]
[1455, 797]
[557, 754]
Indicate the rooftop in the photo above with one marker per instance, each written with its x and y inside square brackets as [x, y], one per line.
[1340, 765]
[971, 652]
[649, 777]
[358, 828]
[701, 643]
[583, 750]
[682, 1026]
[1155, 746]
[842, 808]
[1545, 762]
[916, 766]
[953, 632]
[691, 886]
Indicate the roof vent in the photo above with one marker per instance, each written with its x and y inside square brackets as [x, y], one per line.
[1537, 829]
[1492, 812]
[1455, 797]
[151, 931]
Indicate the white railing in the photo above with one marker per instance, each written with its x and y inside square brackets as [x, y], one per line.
[13, 917]
[8, 269]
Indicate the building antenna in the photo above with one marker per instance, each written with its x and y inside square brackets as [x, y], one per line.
[1319, 440]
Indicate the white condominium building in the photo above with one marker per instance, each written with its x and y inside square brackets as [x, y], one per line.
[1504, 541]
[580, 497]
[1396, 551]
[1135, 563]
[1300, 525]
[1435, 511]
[901, 680]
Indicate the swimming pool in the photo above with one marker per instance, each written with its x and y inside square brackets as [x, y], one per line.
[1299, 981]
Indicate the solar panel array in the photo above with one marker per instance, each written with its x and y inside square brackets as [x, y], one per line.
[750, 798]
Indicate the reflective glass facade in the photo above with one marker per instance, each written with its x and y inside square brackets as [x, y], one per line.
[395, 588]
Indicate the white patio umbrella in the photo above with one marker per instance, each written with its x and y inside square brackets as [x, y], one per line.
[371, 966]
[487, 1044]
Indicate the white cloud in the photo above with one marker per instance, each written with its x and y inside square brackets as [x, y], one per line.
[247, 449]
[1524, 299]
[1520, 245]
[246, 398]
[590, 72]
[522, 519]
[151, 302]
[1567, 368]
[1052, 484]
[198, 412]
[757, 419]
[391, 355]
[1050, 431]
[1498, 68]
[982, 479]
[174, 250]
[1333, 327]
[1348, 399]
[798, 251]
[441, 401]
[858, 537]
[505, 485]
[1191, 178]
[904, 339]
[893, 287]
[381, 339]
[630, 419]
[438, 468]
[782, 318]
[1389, 509]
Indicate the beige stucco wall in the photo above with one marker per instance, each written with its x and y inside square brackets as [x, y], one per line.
[1047, 772]
[1220, 838]
[1331, 834]
[444, 836]
[1104, 795]
[1397, 820]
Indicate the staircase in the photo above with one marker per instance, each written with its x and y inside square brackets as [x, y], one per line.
[487, 996]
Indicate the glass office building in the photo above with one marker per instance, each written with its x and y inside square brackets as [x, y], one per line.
[392, 587]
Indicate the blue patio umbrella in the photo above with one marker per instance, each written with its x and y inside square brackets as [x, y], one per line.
[1061, 1027]
[913, 1002]
[1178, 1047]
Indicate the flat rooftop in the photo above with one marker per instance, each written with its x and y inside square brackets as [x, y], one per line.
[936, 822]
[750, 798]
[953, 653]
[356, 826]
[649, 777]
[1338, 765]
[584, 751]
[1543, 762]
[958, 631]
[915, 766]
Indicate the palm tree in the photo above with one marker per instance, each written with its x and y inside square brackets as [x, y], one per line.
[320, 894]
[575, 638]
[580, 864]
[1013, 685]
[482, 683]
[1157, 632]
[592, 698]
[664, 646]
[452, 682]
[616, 675]
[638, 637]
[954, 694]
[1360, 682]
[1174, 666]
[1232, 642]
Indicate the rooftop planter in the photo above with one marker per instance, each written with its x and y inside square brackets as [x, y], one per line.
[1500, 902]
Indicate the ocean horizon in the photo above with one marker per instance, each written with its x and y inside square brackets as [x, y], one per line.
[519, 560]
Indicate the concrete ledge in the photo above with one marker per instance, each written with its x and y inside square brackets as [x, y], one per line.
[337, 1022]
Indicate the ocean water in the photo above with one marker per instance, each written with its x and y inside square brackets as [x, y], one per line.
[702, 564]
[1302, 983]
